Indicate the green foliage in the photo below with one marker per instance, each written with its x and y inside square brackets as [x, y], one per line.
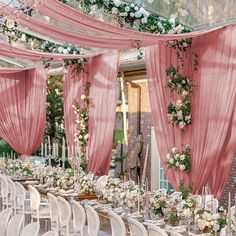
[185, 191]
[55, 113]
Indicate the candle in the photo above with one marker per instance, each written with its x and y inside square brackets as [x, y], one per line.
[229, 213]
[11, 155]
[57, 149]
[138, 195]
[45, 149]
[49, 144]
[41, 149]
[235, 209]
[63, 149]
[53, 149]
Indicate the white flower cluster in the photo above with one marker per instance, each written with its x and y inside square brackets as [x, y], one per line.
[113, 159]
[86, 183]
[19, 168]
[208, 222]
[113, 192]
[179, 159]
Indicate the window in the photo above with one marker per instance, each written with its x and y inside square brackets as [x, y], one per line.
[164, 183]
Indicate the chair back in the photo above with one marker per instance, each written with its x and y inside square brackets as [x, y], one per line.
[93, 221]
[54, 208]
[12, 190]
[154, 230]
[117, 225]
[34, 198]
[15, 224]
[198, 199]
[160, 191]
[232, 213]
[20, 194]
[64, 211]
[4, 186]
[79, 216]
[136, 228]
[173, 233]
[50, 233]
[4, 219]
[101, 183]
[212, 205]
[31, 229]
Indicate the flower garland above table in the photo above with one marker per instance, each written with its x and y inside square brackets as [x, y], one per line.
[14, 35]
[82, 113]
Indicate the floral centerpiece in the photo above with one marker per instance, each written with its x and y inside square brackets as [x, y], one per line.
[66, 180]
[53, 174]
[134, 196]
[18, 167]
[113, 159]
[86, 184]
[114, 191]
[208, 222]
[181, 160]
[158, 203]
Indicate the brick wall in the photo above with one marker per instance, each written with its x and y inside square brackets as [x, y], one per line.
[230, 187]
[146, 123]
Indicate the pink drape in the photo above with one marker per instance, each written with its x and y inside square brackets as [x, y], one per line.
[89, 39]
[101, 72]
[72, 91]
[102, 76]
[23, 109]
[212, 134]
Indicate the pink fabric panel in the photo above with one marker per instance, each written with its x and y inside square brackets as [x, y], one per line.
[211, 135]
[72, 91]
[102, 74]
[23, 109]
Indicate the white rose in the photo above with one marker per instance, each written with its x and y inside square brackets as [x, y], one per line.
[144, 12]
[131, 14]
[83, 97]
[137, 14]
[117, 3]
[60, 49]
[182, 167]
[114, 10]
[144, 20]
[127, 8]
[65, 51]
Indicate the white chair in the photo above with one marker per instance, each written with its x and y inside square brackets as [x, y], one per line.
[12, 194]
[232, 212]
[173, 233]
[198, 199]
[64, 215]
[50, 233]
[4, 219]
[154, 230]
[54, 211]
[92, 220]
[176, 194]
[31, 229]
[136, 228]
[38, 211]
[79, 217]
[117, 225]
[212, 205]
[15, 224]
[5, 190]
[101, 183]
[160, 191]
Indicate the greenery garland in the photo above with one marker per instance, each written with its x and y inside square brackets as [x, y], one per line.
[82, 113]
[14, 35]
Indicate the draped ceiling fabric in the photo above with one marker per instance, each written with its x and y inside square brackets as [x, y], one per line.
[23, 109]
[86, 39]
[101, 72]
[212, 134]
